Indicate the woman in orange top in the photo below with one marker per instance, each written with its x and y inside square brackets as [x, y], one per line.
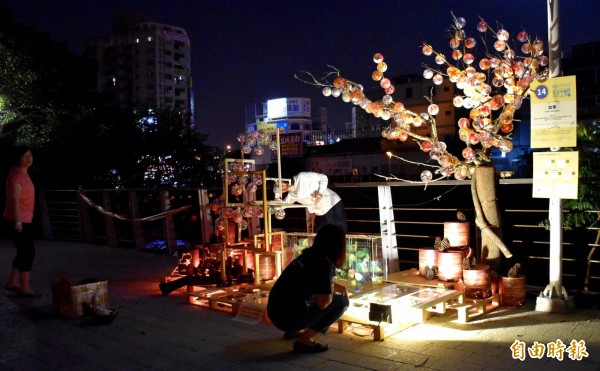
[18, 215]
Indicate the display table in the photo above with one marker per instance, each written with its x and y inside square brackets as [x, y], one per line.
[386, 308]
[466, 308]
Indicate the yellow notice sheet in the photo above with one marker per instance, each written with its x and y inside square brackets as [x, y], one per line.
[554, 113]
[555, 174]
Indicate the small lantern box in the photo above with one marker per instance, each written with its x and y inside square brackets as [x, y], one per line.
[67, 301]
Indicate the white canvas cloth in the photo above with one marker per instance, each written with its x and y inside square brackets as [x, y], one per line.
[306, 186]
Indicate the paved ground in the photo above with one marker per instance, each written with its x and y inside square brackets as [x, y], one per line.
[156, 332]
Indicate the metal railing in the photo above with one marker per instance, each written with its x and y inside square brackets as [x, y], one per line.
[419, 215]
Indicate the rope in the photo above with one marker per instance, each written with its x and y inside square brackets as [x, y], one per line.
[102, 211]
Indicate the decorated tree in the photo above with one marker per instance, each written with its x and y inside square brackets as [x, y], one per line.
[492, 88]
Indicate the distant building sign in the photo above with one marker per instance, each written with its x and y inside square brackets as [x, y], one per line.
[271, 126]
[290, 144]
[172, 35]
[554, 113]
[266, 126]
[288, 107]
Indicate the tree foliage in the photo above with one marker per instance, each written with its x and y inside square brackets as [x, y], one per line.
[39, 80]
[48, 101]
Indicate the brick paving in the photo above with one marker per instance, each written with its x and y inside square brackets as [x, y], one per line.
[166, 333]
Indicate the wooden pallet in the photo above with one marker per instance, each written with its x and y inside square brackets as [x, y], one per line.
[246, 305]
[469, 309]
[422, 312]
[380, 330]
[412, 277]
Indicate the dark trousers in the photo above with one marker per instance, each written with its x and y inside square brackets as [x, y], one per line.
[336, 215]
[314, 318]
[23, 242]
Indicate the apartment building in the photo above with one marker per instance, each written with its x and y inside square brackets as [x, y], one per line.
[146, 64]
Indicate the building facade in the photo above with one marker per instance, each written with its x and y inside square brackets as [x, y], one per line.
[146, 64]
[412, 90]
[295, 115]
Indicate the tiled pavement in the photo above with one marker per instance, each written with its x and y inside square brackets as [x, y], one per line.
[156, 332]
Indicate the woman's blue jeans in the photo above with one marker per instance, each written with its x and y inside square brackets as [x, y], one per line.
[314, 318]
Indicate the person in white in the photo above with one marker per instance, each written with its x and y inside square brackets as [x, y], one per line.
[310, 189]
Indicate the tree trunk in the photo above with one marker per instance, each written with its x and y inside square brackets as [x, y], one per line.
[483, 190]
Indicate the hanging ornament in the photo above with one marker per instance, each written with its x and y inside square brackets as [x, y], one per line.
[220, 224]
[216, 204]
[433, 109]
[426, 176]
[236, 190]
[237, 216]
[482, 26]
[280, 214]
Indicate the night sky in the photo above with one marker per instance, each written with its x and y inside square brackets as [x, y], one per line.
[247, 51]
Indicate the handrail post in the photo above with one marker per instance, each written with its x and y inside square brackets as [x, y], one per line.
[136, 224]
[109, 223]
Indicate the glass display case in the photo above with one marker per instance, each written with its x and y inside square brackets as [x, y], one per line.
[394, 303]
[364, 267]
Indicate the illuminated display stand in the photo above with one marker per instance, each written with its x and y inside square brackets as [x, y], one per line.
[265, 244]
[253, 250]
[374, 301]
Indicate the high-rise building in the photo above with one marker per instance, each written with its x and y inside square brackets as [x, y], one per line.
[146, 64]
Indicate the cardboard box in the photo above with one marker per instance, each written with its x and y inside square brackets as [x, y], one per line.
[68, 300]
